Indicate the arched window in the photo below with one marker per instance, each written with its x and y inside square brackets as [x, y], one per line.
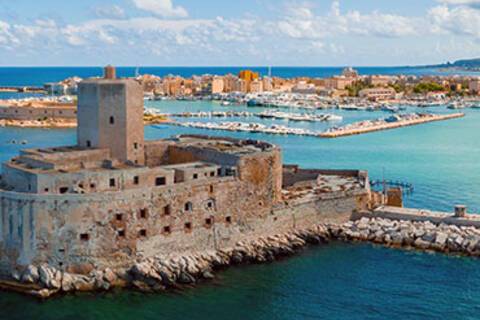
[188, 206]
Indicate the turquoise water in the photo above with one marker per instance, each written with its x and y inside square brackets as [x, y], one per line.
[338, 281]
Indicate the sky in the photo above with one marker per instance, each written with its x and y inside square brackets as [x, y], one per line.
[237, 32]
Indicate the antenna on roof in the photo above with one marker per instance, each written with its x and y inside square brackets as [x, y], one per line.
[137, 72]
[269, 71]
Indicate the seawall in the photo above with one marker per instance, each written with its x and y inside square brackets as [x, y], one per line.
[388, 126]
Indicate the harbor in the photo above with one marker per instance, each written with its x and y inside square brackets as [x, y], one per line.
[363, 127]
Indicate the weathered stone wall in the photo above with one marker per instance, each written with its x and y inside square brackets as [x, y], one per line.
[293, 174]
[111, 229]
[103, 109]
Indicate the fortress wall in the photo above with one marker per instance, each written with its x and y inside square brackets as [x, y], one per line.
[264, 173]
[182, 154]
[99, 180]
[111, 229]
[22, 181]
[293, 174]
[36, 113]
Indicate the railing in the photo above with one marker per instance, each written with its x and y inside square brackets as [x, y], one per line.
[406, 187]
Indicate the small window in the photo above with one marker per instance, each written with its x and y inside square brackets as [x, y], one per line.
[84, 237]
[210, 204]
[211, 188]
[143, 213]
[63, 190]
[143, 233]
[135, 146]
[195, 176]
[208, 222]
[112, 120]
[92, 186]
[228, 219]
[121, 233]
[119, 217]
[166, 229]
[166, 210]
[46, 190]
[160, 181]
[29, 187]
[136, 180]
[112, 182]
[212, 174]
[89, 143]
[219, 172]
[188, 206]
[188, 226]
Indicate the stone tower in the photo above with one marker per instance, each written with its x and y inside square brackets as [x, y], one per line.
[110, 115]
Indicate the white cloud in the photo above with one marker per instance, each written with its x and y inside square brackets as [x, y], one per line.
[295, 34]
[302, 23]
[161, 8]
[114, 12]
[457, 20]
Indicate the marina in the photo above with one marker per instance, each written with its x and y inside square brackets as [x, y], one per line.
[392, 122]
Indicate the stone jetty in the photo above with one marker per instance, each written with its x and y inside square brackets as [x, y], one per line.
[161, 273]
[396, 121]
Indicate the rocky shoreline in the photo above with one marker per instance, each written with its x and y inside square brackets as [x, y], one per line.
[165, 272]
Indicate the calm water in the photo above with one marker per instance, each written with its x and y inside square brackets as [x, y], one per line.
[338, 281]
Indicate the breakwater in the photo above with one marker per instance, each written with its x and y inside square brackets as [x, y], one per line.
[384, 124]
[405, 228]
[397, 121]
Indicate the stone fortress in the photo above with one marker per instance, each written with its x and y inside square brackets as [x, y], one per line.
[115, 198]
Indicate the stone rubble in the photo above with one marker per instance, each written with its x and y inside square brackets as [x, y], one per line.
[163, 272]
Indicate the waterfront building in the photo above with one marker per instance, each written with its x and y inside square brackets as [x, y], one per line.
[304, 88]
[474, 86]
[217, 85]
[267, 84]
[240, 86]
[378, 94]
[339, 82]
[379, 80]
[256, 86]
[248, 76]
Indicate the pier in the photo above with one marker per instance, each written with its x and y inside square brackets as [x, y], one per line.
[384, 125]
[22, 89]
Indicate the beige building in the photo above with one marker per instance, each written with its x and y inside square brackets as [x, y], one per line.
[256, 86]
[339, 82]
[218, 85]
[379, 81]
[378, 94]
[474, 86]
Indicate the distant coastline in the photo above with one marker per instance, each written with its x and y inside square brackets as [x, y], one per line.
[37, 76]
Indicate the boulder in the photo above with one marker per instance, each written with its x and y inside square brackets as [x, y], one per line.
[441, 239]
[49, 277]
[30, 275]
[421, 244]
[186, 278]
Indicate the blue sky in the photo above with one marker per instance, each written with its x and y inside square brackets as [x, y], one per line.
[241, 32]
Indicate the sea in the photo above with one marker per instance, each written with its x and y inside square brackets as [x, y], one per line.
[334, 281]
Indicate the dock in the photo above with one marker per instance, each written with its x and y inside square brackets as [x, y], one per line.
[341, 132]
[26, 89]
